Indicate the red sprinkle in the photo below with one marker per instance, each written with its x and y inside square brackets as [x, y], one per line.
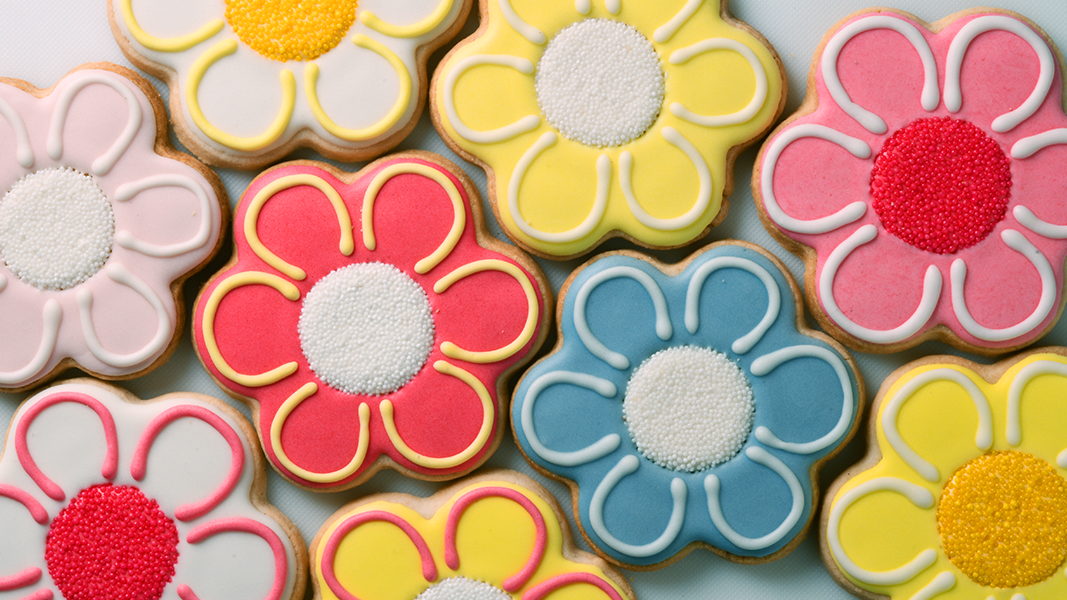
[941, 184]
[111, 542]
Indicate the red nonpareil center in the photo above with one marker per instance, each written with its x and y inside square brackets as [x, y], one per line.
[941, 184]
[110, 543]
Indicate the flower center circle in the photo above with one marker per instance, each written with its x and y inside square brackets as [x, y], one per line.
[688, 408]
[366, 328]
[941, 184]
[111, 542]
[56, 228]
[461, 588]
[1003, 519]
[291, 29]
[599, 82]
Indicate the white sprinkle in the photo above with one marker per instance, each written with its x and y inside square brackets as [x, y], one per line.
[599, 82]
[688, 408]
[56, 228]
[461, 588]
[366, 328]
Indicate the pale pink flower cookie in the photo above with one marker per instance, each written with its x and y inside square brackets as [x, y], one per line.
[922, 181]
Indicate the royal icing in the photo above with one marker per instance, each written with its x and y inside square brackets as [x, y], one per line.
[729, 300]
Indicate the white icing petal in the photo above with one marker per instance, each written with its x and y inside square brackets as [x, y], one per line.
[665, 32]
[23, 149]
[676, 139]
[51, 317]
[581, 325]
[627, 465]
[531, 33]
[599, 449]
[121, 275]
[1029, 220]
[613, 6]
[500, 134]
[696, 284]
[128, 191]
[583, 6]
[762, 457]
[944, 582]
[1013, 429]
[65, 96]
[759, 96]
[1028, 146]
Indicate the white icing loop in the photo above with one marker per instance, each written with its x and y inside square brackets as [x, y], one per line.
[665, 32]
[531, 33]
[962, 42]
[127, 191]
[944, 582]
[676, 139]
[1029, 220]
[121, 275]
[1046, 303]
[51, 317]
[846, 215]
[583, 6]
[627, 465]
[759, 96]
[493, 136]
[870, 121]
[774, 298]
[1028, 146]
[917, 495]
[613, 6]
[983, 439]
[1013, 430]
[23, 149]
[581, 325]
[103, 164]
[599, 449]
[914, 323]
[769, 362]
[759, 456]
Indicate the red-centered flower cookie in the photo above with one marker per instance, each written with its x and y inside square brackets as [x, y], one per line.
[103, 495]
[497, 536]
[100, 222]
[922, 181]
[370, 320]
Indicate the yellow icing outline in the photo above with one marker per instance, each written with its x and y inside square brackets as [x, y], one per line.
[174, 44]
[273, 131]
[455, 352]
[278, 423]
[346, 246]
[446, 462]
[211, 307]
[459, 221]
[408, 31]
[311, 77]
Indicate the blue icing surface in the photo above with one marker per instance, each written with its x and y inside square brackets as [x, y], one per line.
[577, 413]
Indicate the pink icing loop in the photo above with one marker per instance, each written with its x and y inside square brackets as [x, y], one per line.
[111, 459]
[37, 511]
[243, 525]
[21, 579]
[329, 553]
[40, 595]
[519, 579]
[545, 588]
[194, 510]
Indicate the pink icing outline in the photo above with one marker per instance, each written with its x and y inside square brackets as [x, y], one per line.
[193, 510]
[243, 525]
[545, 588]
[519, 579]
[40, 595]
[21, 579]
[329, 552]
[111, 459]
[23, 497]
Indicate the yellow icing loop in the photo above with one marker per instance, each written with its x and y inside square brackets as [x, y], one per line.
[455, 352]
[278, 423]
[175, 44]
[408, 31]
[273, 132]
[459, 220]
[446, 462]
[346, 246]
[211, 307]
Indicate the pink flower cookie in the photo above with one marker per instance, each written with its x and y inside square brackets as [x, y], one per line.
[370, 320]
[100, 222]
[922, 181]
[103, 495]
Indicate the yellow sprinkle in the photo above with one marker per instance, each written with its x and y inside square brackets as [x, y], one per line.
[291, 29]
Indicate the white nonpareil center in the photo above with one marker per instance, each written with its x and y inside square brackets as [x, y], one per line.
[366, 328]
[461, 588]
[688, 408]
[56, 228]
[599, 82]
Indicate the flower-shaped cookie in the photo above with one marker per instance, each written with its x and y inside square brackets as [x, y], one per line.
[103, 495]
[100, 221]
[922, 182]
[609, 117]
[963, 494]
[684, 408]
[370, 320]
[498, 536]
[250, 80]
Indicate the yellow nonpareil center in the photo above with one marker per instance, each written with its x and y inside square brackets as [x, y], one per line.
[291, 29]
[1003, 519]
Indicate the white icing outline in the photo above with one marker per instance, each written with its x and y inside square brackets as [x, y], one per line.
[683, 55]
[1032, 222]
[954, 63]
[51, 317]
[128, 191]
[23, 149]
[583, 6]
[627, 465]
[923, 312]
[599, 449]
[1030, 145]
[983, 438]
[665, 32]
[762, 457]
[531, 33]
[849, 214]
[626, 165]
[917, 495]
[1025, 148]
[1046, 303]
[663, 320]
[944, 582]
[121, 275]
[3, 282]
[1013, 429]
[930, 97]
[769, 362]
[613, 6]
[492, 136]
[696, 285]
[103, 164]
